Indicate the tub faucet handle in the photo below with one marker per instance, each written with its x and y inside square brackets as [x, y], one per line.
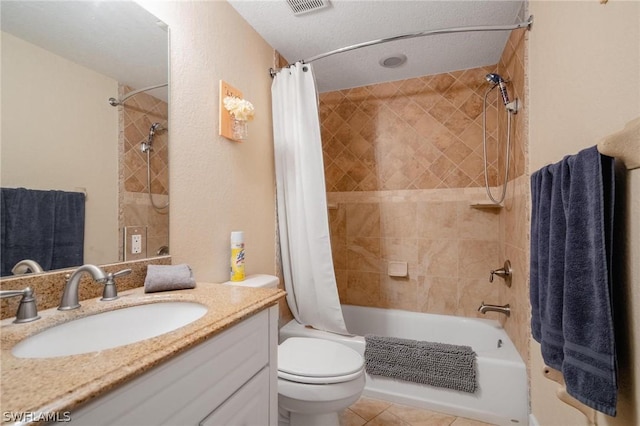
[505, 272]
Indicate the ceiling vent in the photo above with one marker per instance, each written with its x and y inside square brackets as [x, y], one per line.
[300, 7]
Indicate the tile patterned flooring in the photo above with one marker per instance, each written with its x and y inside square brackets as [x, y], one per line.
[374, 412]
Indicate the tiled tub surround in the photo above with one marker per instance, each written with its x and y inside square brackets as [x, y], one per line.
[514, 217]
[420, 133]
[403, 162]
[48, 286]
[514, 245]
[136, 117]
[61, 384]
[449, 247]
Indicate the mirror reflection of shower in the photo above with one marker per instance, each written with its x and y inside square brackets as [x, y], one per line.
[147, 147]
[511, 108]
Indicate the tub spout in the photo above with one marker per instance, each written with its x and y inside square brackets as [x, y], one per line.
[495, 308]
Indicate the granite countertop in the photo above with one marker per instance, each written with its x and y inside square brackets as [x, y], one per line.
[58, 385]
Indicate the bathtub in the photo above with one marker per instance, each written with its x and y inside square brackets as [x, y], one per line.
[501, 397]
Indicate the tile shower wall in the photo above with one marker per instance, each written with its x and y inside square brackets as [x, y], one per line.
[403, 163]
[421, 133]
[137, 116]
[514, 218]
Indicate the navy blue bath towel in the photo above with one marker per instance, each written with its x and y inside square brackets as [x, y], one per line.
[571, 294]
[45, 226]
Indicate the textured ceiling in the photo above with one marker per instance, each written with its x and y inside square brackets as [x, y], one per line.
[348, 22]
[125, 42]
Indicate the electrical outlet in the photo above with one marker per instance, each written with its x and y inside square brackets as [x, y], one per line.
[136, 244]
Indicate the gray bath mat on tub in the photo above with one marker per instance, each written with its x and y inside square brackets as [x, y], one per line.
[435, 364]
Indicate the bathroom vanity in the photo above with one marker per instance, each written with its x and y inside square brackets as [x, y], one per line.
[219, 369]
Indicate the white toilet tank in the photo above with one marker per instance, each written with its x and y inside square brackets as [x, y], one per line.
[257, 280]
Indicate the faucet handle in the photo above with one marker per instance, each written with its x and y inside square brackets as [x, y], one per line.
[27, 310]
[110, 291]
[505, 272]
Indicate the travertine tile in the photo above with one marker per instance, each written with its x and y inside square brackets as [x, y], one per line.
[387, 419]
[412, 146]
[438, 257]
[349, 418]
[363, 220]
[368, 408]
[363, 288]
[431, 111]
[417, 416]
[436, 219]
[398, 220]
[438, 295]
[398, 293]
[477, 258]
[363, 254]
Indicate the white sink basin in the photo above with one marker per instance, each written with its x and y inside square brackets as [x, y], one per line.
[109, 329]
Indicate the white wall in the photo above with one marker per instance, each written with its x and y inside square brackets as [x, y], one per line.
[59, 132]
[216, 185]
[584, 84]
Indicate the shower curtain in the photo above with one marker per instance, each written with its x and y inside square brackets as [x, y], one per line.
[303, 225]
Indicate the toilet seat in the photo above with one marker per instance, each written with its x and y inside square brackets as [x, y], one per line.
[317, 361]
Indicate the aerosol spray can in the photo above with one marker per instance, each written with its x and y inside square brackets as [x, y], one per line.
[237, 256]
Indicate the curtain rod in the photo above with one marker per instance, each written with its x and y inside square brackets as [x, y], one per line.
[115, 102]
[525, 24]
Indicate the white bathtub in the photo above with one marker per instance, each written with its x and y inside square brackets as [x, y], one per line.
[502, 395]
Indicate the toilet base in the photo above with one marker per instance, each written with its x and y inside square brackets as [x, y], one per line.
[298, 419]
[326, 419]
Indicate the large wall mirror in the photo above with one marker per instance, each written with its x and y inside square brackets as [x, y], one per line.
[61, 63]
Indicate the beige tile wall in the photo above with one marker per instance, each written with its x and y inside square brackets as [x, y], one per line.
[420, 133]
[514, 218]
[449, 248]
[403, 164]
[138, 114]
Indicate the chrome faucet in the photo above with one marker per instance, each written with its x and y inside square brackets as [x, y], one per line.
[70, 294]
[483, 309]
[26, 265]
[27, 310]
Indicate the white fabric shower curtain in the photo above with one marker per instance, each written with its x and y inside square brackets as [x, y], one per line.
[303, 225]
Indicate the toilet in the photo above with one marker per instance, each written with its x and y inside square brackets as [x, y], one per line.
[316, 378]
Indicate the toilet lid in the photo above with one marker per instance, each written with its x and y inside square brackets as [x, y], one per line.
[310, 360]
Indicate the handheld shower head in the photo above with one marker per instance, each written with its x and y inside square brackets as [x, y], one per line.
[155, 127]
[497, 80]
[148, 144]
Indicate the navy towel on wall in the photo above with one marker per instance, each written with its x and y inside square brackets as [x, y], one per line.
[571, 295]
[45, 226]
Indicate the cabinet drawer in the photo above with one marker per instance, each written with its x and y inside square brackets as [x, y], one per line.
[187, 388]
[249, 406]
